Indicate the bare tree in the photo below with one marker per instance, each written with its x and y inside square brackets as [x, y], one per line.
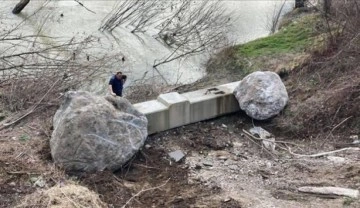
[123, 12]
[187, 26]
[194, 28]
[275, 17]
[36, 69]
[20, 6]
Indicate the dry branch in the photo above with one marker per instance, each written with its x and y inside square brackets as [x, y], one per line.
[31, 110]
[323, 153]
[330, 191]
[144, 190]
[188, 27]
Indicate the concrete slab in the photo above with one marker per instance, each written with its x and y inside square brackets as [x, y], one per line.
[231, 86]
[173, 109]
[156, 113]
[211, 102]
[179, 108]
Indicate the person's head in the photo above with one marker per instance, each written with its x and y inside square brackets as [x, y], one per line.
[118, 75]
[124, 77]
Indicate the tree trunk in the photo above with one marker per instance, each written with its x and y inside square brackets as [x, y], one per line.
[327, 6]
[299, 3]
[20, 6]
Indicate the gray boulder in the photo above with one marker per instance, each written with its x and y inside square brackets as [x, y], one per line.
[261, 95]
[93, 133]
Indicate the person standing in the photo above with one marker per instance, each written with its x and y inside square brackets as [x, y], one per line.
[116, 84]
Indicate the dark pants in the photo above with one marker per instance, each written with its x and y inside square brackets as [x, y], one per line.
[119, 93]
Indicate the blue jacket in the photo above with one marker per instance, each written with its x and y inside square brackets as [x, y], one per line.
[117, 85]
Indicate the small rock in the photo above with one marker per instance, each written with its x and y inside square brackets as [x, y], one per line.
[33, 179]
[147, 146]
[198, 167]
[224, 126]
[354, 137]
[222, 158]
[227, 199]
[38, 181]
[185, 167]
[233, 167]
[12, 184]
[336, 159]
[177, 155]
[268, 164]
[208, 164]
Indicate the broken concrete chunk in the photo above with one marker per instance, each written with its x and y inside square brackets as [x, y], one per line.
[330, 191]
[262, 133]
[267, 138]
[177, 155]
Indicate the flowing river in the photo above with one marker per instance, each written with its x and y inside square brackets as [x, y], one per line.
[250, 20]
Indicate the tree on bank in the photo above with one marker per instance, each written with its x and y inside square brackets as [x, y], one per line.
[36, 69]
[299, 3]
[187, 27]
[20, 6]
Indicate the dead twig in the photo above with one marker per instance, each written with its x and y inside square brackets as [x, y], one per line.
[337, 126]
[22, 173]
[31, 109]
[144, 190]
[268, 140]
[144, 166]
[81, 4]
[251, 139]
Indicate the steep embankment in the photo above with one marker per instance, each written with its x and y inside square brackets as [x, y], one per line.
[322, 80]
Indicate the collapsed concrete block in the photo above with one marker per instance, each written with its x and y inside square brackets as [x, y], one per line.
[173, 109]
[178, 107]
[156, 113]
[210, 103]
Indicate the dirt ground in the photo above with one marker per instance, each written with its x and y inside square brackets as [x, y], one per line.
[221, 168]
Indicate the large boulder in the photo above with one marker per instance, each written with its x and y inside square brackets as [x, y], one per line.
[261, 95]
[93, 133]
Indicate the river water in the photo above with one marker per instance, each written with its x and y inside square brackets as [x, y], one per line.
[250, 20]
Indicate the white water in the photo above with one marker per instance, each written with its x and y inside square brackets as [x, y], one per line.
[250, 20]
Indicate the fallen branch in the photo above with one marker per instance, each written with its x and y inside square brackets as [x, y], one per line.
[144, 166]
[330, 191]
[337, 126]
[263, 139]
[22, 173]
[144, 190]
[323, 153]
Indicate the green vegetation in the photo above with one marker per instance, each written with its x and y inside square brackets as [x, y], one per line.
[293, 38]
[281, 52]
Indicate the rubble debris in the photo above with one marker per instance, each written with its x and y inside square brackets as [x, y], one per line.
[177, 155]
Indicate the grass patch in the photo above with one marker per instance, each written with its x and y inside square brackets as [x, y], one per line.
[296, 37]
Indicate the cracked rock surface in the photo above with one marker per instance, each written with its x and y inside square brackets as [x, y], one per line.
[94, 133]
